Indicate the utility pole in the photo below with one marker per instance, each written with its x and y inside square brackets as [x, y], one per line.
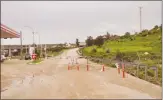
[39, 44]
[33, 38]
[41, 47]
[33, 33]
[140, 8]
[21, 52]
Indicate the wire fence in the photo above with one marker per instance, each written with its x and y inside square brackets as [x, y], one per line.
[138, 69]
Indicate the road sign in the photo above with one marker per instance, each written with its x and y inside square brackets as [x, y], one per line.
[153, 67]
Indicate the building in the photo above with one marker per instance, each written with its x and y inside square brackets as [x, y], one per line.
[82, 44]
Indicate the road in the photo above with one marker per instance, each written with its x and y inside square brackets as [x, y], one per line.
[52, 79]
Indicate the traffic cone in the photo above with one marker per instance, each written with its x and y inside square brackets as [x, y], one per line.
[87, 67]
[123, 71]
[118, 70]
[123, 74]
[103, 69]
[68, 67]
[78, 67]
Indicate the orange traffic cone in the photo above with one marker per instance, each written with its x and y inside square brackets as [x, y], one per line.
[123, 71]
[87, 67]
[103, 69]
[77, 67]
[118, 70]
[68, 67]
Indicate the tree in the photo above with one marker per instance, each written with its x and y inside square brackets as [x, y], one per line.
[77, 42]
[127, 35]
[89, 41]
[33, 45]
[144, 33]
[99, 41]
[156, 27]
[107, 35]
[161, 27]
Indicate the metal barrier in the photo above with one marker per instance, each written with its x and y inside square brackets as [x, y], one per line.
[131, 68]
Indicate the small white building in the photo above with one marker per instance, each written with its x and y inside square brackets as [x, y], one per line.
[82, 44]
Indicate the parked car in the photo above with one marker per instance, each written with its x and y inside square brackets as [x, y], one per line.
[3, 58]
[27, 57]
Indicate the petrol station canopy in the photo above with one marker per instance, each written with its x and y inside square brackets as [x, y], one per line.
[7, 32]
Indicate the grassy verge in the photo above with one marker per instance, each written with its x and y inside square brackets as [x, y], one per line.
[37, 61]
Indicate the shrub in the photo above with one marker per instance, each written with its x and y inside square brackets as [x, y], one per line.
[94, 50]
[150, 73]
[107, 51]
[113, 66]
[37, 53]
[141, 75]
[119, 55]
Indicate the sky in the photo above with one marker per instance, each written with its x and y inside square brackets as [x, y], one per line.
[64, 21]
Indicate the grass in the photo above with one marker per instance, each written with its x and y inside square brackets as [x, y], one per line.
[151, 44]
[35, 61]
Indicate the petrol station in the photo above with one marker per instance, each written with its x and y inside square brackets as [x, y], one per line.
[6, 33]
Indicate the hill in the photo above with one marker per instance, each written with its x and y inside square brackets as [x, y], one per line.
[144, 47]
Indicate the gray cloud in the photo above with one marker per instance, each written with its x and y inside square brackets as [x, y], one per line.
[64, 21]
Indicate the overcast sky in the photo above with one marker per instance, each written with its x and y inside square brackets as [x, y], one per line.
[64, 21]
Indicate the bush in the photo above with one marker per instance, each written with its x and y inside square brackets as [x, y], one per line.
[107, 51]
[113, 65]
[119, 55]
[150, 73]
[37, 53]
[141, 75]
[94, 50]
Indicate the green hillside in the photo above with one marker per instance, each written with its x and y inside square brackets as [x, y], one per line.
[151, 43]
[133, 48]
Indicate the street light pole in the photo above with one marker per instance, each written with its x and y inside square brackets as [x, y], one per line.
[33, 35]
[40, 45]
[33, 38]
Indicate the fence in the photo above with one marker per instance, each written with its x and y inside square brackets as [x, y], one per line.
[137, 69]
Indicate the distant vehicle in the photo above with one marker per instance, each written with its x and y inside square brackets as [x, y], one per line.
[3, 58]
[27, 57]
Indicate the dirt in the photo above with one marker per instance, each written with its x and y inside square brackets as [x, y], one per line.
[51, 79]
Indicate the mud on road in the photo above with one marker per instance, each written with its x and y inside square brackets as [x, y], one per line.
[52, 80]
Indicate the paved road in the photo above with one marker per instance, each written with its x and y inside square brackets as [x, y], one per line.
[51, 79]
